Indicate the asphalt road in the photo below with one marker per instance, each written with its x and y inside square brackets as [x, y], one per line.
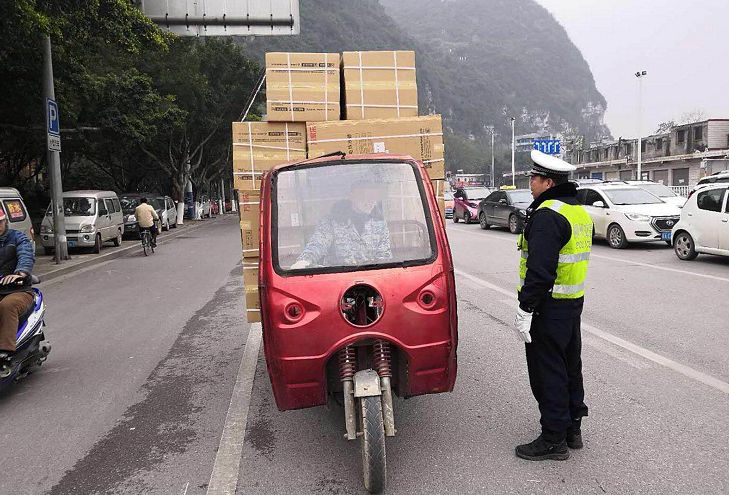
[135, 391]
[134, 396]
[652, 429]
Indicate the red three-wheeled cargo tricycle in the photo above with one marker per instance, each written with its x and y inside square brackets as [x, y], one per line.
[357, 291]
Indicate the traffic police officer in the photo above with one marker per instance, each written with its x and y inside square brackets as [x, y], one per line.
[555, 249]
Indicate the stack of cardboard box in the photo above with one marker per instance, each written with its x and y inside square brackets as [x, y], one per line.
[380, 107]
[307, 96]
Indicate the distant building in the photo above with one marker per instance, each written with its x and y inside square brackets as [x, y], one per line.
[678, 158]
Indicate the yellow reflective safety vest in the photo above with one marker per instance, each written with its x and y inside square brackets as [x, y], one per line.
[573, 257]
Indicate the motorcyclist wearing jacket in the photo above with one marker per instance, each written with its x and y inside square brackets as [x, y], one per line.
[16, 264]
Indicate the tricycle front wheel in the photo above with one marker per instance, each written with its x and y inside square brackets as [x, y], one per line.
[374, 463]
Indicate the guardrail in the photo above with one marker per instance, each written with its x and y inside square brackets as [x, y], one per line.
[681, 190]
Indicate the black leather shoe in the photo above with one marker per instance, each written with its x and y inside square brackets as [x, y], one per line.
[574, 439]
[542, 450]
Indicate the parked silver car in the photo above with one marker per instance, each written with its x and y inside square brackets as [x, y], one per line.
[92, 218]
[167, 211]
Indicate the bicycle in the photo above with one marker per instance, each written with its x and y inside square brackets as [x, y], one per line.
[146, 237]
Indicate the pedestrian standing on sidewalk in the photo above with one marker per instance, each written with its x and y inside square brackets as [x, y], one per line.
[555, 249]
[16, 263]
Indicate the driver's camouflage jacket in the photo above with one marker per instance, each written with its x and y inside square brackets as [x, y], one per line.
[336, 243]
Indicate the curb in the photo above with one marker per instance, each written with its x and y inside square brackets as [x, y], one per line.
[117, 253]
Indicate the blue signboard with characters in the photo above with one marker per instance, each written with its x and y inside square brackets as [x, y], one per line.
[548, 146]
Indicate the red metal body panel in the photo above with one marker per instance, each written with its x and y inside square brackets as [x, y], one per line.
[297, 353]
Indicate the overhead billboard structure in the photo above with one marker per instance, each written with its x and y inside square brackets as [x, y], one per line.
[224, 17]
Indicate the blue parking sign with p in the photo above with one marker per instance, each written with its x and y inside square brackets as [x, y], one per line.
[54, 125]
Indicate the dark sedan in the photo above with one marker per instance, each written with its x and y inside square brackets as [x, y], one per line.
[505, 209]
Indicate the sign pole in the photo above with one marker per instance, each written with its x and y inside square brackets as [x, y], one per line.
[53, 155]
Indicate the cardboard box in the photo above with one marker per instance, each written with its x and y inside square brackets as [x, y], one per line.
[439, 187]
[249, 213]
[303, 87]
[419, 137]
[259, 146]
[250, 284]
[379, 85]
[441, 207]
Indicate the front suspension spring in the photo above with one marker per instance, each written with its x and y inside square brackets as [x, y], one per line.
[382, 358]
[347, 363]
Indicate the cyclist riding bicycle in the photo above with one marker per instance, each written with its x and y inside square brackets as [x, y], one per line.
[146, 218]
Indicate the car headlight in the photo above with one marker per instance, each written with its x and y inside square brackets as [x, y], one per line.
[637, 217]
[46, 229]
[86, 229]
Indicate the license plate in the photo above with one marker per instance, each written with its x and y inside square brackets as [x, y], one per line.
[71, 243]
[666, 236]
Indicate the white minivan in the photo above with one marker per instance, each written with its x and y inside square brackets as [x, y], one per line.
[91, 218]
[704, 224]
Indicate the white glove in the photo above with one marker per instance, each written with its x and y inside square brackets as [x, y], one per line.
[523, 324]
[300, 264]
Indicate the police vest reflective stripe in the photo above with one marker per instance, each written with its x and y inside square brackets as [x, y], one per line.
[574, 255]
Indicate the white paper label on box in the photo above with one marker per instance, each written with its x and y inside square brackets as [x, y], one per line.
[379, 147]
[295, 220]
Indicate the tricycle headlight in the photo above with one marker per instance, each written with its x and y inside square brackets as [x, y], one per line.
[131, 219]
[86, 229]
[637, 217]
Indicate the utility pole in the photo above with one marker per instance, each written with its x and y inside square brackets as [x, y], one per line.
[53, 154]
[513, 153]
[492, 130]
[640, 75]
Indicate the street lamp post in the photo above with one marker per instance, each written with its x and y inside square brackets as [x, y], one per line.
[492, 131]
[513, 153]
[640, 75]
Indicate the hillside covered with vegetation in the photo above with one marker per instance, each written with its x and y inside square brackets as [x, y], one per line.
[479, 62]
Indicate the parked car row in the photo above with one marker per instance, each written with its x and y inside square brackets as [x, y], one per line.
[92, 218]
[165, 206]
[624, 212]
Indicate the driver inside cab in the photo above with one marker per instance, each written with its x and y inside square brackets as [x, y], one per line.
[355, 232]
[16, 263]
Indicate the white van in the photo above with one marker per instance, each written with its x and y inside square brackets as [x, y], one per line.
[91, 217]
[15, 211]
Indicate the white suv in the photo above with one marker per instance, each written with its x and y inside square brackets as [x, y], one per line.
[623, 213]
[704, 224]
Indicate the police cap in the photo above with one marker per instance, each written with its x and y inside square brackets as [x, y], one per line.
[549, 166]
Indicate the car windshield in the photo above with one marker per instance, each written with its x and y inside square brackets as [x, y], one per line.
[357, 214]
[476, 193]
[521, 197]
[635, 196]
[77, 207]
[659, 190]
[128, 204]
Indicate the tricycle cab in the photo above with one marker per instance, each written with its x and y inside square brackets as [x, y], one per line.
[354, 253]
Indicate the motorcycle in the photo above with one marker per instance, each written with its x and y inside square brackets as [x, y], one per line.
[365, 320]
[32, 349]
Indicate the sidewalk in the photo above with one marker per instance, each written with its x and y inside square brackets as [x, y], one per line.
[47, 269]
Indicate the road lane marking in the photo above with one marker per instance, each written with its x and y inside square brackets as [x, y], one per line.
[611, 258]
[224, 478]
[622, 343]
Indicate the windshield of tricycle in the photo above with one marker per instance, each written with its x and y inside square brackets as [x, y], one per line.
[349, 216]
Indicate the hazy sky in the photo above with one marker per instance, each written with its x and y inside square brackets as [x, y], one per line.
[684, 46]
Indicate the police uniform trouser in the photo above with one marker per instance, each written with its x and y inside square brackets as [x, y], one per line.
[11, 307]
[555, 373]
